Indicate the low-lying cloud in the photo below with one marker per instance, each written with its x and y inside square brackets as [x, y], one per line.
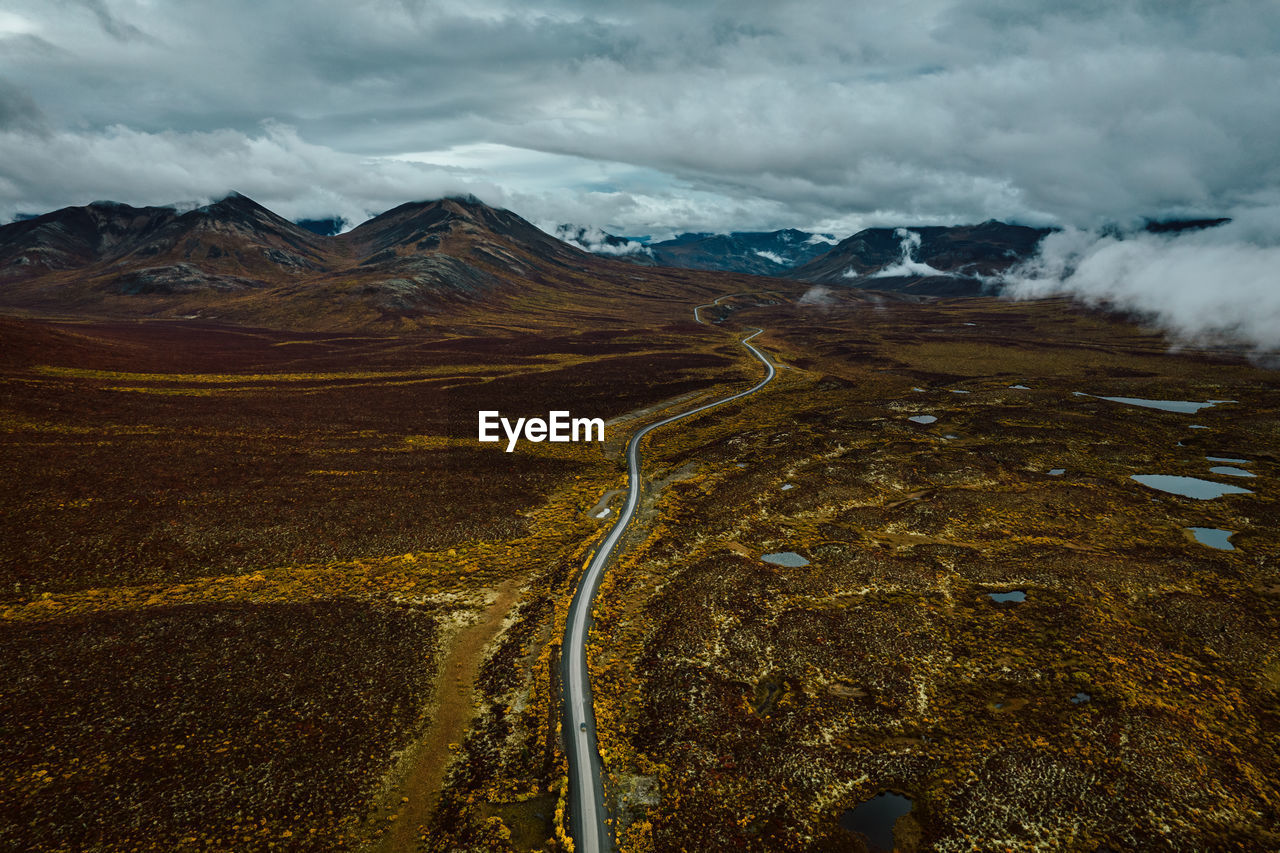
[773, 256]
[818, 297]
[907, 265]
[1213, 286]
[598, 242]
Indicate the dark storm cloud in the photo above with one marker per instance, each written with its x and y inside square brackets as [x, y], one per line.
[18, 112]
[645, 116]
[110, 24]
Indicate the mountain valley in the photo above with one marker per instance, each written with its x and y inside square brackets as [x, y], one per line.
[262, 588]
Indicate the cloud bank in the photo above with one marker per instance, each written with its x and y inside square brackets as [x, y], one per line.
[1215, 286]
[824, 115]
[274, 166]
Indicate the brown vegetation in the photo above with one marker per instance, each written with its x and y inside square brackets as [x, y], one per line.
[224, 726]
[763, 701]
[740, 705]
[232, 559]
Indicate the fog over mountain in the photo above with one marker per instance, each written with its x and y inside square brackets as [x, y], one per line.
[1210, 286]
[822, 116]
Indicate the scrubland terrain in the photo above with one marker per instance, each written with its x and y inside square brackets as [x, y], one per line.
[1128, 703]
[235, 562]
[265, 590]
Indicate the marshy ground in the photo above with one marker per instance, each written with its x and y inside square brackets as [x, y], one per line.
[1127, 702]
[242, 575]
[237, 564]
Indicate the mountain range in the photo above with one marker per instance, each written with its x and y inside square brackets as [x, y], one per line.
[419, 263]
[423, 262]
[929, 260]
[752, 252]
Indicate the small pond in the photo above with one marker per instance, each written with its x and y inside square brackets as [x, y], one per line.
[875, 818]
[1232, 459]
[1057, 472]
[1020, 387]
[785, 558]
[1214, 537]
[955, 391]
[1080, 698]
[1231, 472]
[1188, 487]
[922, 419]
[786, 487]
[1016, 596]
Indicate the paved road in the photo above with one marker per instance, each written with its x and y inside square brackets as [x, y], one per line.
[591, 833]
[698, 318]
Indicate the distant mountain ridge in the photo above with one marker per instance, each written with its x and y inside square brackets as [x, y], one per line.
[754, 252]
[599, 242]
[235, 260]
[75, 236]
[930, 260]
[234, 239]
[751, 252]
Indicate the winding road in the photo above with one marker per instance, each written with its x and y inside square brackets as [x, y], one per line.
[589, 812]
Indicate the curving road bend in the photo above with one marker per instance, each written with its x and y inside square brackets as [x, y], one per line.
[697, 318]
[589, 812]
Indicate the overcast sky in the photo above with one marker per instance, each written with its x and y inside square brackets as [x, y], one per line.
[650, 117]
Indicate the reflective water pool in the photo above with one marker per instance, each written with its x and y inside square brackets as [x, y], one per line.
[922, 419]
[1188, 487]
[1214, 537]
[1231, 472]
[874, 819]
[785, 558]
[1186, 407]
